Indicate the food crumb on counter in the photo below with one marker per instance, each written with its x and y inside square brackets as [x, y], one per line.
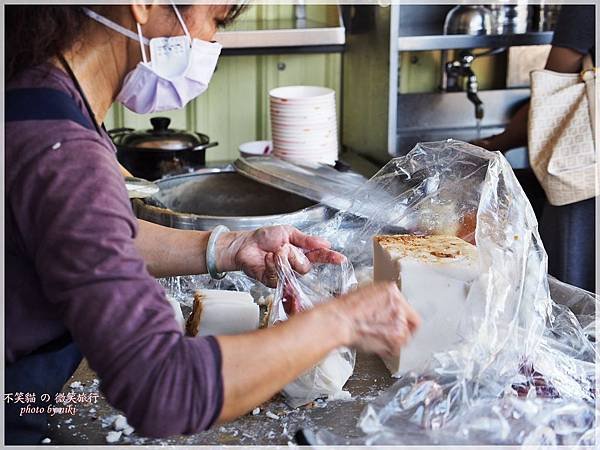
[113, 436]
[46, 441]
[256, 411]
[341, 395]
[120, 423]
[271, 415]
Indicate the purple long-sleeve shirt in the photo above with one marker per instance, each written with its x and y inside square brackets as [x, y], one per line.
[72, 266]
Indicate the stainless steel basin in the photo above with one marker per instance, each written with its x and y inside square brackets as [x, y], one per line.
[211, 197]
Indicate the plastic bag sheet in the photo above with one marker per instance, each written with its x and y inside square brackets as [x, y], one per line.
[182, 288]
[298, 293]
[323, 282]
[525, 365]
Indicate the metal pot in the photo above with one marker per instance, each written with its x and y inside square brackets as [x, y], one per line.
[160, 151]
[211, 197]
[510, 19]
[468, 19]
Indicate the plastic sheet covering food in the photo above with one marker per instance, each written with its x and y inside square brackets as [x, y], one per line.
[182, 288]
[296, 293]
[524, 371]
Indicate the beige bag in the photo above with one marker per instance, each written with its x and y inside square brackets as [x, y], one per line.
[561, 133]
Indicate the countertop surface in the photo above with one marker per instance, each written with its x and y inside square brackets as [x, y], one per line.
[91, 423]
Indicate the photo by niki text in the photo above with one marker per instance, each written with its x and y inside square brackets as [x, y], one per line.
[59, 403]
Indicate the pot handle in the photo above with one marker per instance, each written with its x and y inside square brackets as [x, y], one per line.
[205, 146]
[117, 132]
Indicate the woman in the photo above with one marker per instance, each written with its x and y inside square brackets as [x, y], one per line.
[79, 265]
[568, 231]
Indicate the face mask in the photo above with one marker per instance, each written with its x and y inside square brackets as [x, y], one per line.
[176, 73]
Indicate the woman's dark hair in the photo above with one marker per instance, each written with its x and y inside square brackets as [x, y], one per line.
[36, 33]
[234, 13]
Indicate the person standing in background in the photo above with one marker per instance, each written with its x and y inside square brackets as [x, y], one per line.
[568, 231]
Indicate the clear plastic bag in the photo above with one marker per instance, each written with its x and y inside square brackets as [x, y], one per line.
[182, 288]
[524, 369]
[523, 372]
[303, 292]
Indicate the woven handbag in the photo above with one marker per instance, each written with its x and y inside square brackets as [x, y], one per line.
[561, 133]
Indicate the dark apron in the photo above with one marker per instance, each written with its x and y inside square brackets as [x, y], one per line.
[46, 370]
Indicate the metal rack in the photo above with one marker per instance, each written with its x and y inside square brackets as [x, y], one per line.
[411, 41]
[399, 120]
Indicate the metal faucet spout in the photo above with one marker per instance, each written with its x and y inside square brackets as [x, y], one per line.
[461, 77]
[474, 98]
[472, 88]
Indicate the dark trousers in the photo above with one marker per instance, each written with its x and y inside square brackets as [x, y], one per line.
[568, 234]
[43, 372]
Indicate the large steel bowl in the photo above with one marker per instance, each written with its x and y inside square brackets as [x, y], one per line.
[211, 197]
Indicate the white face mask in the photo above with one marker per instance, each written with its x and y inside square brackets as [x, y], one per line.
[176, 73]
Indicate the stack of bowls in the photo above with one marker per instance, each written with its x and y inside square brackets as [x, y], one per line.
[304, 124]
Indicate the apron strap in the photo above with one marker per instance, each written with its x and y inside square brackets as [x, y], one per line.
[42, 104]
[46, 370]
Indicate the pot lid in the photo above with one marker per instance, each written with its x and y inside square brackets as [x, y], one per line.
[318, 182]
[160, 137]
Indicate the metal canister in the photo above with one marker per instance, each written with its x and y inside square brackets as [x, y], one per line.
[510, 18]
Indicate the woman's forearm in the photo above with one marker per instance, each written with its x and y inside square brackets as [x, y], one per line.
[171, 252]
[258, 365]
[560, 59]
[515, 134]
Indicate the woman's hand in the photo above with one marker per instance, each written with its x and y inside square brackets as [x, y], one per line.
[376, 318]
[256, 252]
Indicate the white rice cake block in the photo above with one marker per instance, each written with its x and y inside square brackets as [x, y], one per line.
[177, 313]
[325, 379]
[227, 312]
[435, 274]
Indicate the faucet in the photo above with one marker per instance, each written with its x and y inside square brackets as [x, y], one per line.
[462, 78]
[472, 89]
